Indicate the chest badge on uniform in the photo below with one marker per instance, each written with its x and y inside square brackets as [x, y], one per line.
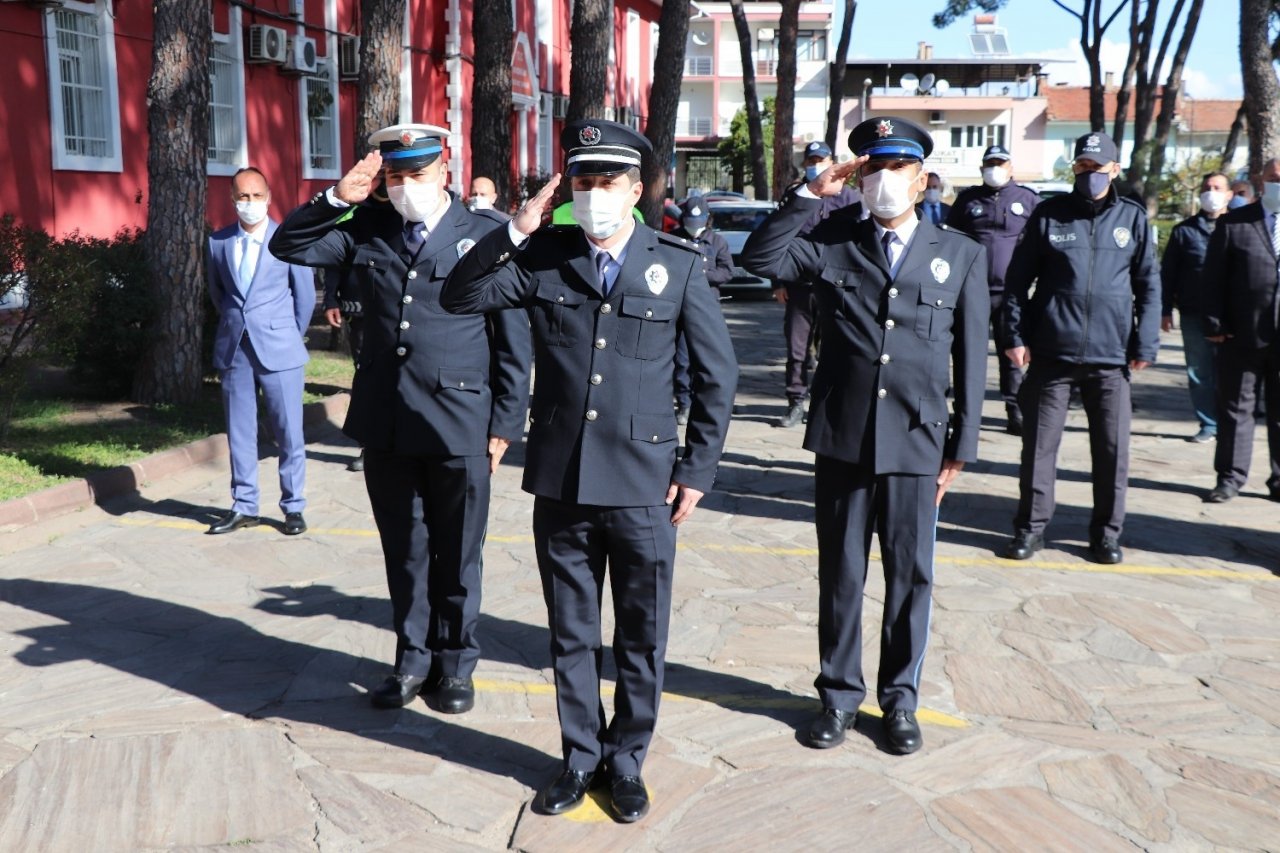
[975, 210]
[656, 277]
[941, 270]
[464, 246]
[1122, 237]
[1016, 208]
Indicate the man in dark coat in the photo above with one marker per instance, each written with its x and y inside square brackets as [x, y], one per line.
[717, 265]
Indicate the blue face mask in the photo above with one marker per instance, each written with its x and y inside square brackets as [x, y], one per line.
[1236, 201]
[1092, 184]
[811, 173]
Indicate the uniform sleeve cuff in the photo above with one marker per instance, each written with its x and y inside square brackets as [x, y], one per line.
[333, 199]
[517, 236]
[803, 191]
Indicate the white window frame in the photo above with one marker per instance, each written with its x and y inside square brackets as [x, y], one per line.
[330, 60]
[113, 162]
[233, 38]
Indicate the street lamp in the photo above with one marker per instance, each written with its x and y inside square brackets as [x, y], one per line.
[866, 84]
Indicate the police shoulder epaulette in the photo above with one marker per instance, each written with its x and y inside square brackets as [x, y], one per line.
[1134, 203]
[673, 240]
[948, 229]
[491, 215]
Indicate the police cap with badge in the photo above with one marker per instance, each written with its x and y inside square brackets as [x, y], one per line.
[890, 138]
[599, 147]
[817, 149]
[996, 152]
[409, 147]
[1098, 147]
[694, 212]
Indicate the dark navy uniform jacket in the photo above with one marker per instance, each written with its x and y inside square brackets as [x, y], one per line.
[1095, 272]
[994, 217]
[602, 428]
[427, 382]
[1183, 263]
[1240, 280]
[892, 349]
[717, 259]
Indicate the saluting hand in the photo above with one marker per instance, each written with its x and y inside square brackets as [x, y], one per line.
[833, 178]
[529, 217]
[356, 185]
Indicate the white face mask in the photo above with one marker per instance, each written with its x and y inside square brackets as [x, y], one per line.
[995, 176]
[695, 231]
[887, 193]
[1211, 201]
[599, 212]
[481, 202]
[251, 212]
[415, 201]
[1271, 196]
[933, 196]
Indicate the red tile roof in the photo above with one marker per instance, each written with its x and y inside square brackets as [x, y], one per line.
[1071, 103]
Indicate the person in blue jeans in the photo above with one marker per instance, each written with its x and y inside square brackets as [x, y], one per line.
[1180, 274]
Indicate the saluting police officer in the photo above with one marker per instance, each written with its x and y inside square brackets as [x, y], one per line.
[1094, 318]
[607, 301]
[904, 310]
[995, 212]
[435, 402]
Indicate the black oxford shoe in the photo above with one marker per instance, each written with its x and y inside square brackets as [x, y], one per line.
[233, 521]
[1013, 420]
[1106, 551]
[1221, 493]
[452, 695]
[828, 730]
[397, 691]
[294, 524]
[794, 416]
[630, 799]
[903, 731]
[357, 464]
[567, 791]
[1022, 546]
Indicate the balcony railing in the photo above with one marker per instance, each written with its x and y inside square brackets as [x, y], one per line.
[766, 68]
[700, 126]
[698, 66]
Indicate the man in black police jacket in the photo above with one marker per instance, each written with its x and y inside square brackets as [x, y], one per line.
[435, 402]
[904, 309]
[607, 301]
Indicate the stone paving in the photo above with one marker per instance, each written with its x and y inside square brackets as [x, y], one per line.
[162, 689]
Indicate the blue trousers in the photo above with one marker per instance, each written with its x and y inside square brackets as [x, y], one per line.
[1202, 366]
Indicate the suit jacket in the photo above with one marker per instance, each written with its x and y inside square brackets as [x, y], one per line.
[427, 382]
[1239, 285]
[942, 206]
[603, 430]
[274, 313]
[892, 348]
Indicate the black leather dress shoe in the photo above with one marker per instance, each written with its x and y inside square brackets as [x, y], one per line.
[1106, 551]
[1221, 493]
[567, 791]
[630, 799]
[1013, 420]
[828, 730]
[1022, 546]
[294, 524]
[233, 521]
[357, 464]
[452, 695]
[794, 416]
[397, 691]
[903, 731]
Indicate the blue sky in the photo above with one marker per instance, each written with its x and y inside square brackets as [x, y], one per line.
[885, 29]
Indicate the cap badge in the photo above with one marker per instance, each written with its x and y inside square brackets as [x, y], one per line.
[1122, 237]
[884, 128]
[406, 137]
[656, 277]
[941, 270]
[464, 246]
[697, 211]
[589, 135]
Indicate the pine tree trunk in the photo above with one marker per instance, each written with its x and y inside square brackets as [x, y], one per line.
[1261, 88]
[178, 139]
[755, 127]
[378, 86]
[835, 91]
[664, 101]
[784, 116]
[1233, 140]
[1169, 102]
[589, 35]
[493, 30]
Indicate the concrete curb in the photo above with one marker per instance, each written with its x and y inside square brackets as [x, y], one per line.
[125, 479]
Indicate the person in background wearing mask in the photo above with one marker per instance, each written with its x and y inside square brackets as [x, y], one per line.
[994, 213]
[265, 307]
[1180, 273]
[607, 302]
[797, 296]
[933, 208]
[1240, 303]
[1094, 319]
[484, 196]
[904, 311]
[435, 402]
[717, 266]
[1241, 194]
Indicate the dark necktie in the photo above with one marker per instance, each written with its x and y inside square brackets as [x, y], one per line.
[414, 236]
[602, 261]
[886, 240]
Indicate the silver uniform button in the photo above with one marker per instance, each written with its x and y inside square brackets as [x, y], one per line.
[401, 351]
[504, 256]
[884, 358]
[606, 308]
[559, 299]
[893, 293]
[601, 343]
[407, 299]
[596, 379]
[654, 439]
[648, 314]
[888, 324]
[938, 303]
[462, 384]
[882, 393]
[592, 414]
[413, 274]
[404, 324]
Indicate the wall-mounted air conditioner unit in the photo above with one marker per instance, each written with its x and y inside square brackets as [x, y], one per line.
[349, 57]
[937, 117]
[559, 106]
[764, 34]
[301, 56]
[267, 44]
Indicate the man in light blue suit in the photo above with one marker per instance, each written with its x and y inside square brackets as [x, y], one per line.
[265, 306]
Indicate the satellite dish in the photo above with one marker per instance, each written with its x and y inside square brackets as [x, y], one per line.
[909, 82]
[700, 38]
[942, 87]
[926, 83]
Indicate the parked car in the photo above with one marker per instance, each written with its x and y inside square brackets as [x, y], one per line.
[735, 220]
[1048, 189]
[723, 195]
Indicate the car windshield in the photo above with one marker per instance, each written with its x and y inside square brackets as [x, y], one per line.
[732, 219]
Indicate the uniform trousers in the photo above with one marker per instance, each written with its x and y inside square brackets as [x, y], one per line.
[1241, 370]
[1201, 356]
[799, 327]
[1044, 398]
[1010, 376]
[574, 544]
[431, 513]
[282, 398]
[851, 502]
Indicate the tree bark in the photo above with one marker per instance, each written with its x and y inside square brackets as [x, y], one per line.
[178, 139]
[1261, 87]
[664, 102]
[382, 40]
[1148, 97]
[493, 30]
[835, 92]
[1169, 100]
[785, 101]
[755, 127]
[589, 35]
[1135, 56]
[1233, 140]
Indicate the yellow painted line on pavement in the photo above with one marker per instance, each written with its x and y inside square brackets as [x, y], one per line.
[710, 547]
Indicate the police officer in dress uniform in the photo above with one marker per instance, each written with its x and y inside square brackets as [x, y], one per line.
[904, 310]
[1093, 319]
[995, 212]
[717, 265]
[607, 301]
[435, 402]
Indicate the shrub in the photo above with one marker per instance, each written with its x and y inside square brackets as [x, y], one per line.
[109, 349]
